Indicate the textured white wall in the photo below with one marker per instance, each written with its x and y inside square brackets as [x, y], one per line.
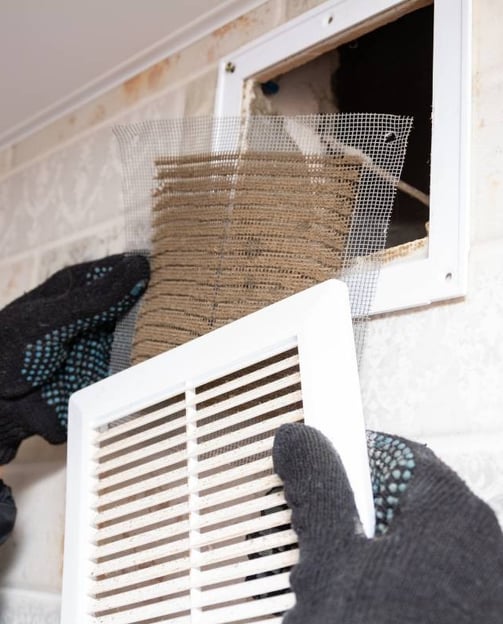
[434, 374]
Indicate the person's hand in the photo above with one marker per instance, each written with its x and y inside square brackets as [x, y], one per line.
[57, 339]
[8, 512]
[437, 557]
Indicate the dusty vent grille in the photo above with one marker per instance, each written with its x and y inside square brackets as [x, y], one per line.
[190, 519]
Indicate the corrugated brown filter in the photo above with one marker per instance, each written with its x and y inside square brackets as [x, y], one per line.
[235, 232]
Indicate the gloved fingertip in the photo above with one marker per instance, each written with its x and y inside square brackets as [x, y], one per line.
[133, 269]
[130, 263]
[289, 448]
[140, 263]
[298, 447]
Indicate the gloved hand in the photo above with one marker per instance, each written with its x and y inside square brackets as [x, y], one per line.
[437, 557]
[8, 511]
[57, 339]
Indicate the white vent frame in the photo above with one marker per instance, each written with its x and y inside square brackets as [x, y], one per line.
[443, 273]
[316, 322]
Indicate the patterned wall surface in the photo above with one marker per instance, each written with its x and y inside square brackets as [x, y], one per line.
[24, 607]
[434, 373]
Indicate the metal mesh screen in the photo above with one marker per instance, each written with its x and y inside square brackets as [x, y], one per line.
[239, 212]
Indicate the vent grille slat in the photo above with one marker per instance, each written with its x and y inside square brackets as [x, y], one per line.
[140, 504]
[255, 486]
[247, 527]
[247, 379]
[250, 395]
[148, 467]
[211, 596]
[140, 557]
[143, 484]
[148, 450]
[138, 438]
[146, 612]
[241, 416]
[246, 433]
[256, 587]
[235, 511]
[235, 455]
[255, 608]
[139, 540]
[141, 420]
[249, 547]
[232, 474]
[155, 517]
[146, 593]
[142, 575]
[247, 567]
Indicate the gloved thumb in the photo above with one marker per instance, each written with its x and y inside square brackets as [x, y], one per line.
[315, 483]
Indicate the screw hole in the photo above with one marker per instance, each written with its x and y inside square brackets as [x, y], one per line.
[230, 68]
[390, 137]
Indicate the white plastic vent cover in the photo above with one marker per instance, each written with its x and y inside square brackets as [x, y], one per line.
[174, 513]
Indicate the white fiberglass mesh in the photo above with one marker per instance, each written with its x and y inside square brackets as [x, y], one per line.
[376, 142]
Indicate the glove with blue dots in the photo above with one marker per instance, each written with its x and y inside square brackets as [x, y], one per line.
[436, 558]
[57, 339]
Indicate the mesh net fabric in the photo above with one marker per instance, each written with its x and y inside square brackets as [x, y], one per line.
[237, 213]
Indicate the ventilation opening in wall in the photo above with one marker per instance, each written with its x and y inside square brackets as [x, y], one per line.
[410, 57]
[386, 70]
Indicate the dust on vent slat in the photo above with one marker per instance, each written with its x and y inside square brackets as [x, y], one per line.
[248, 567]
[250, 432]
[233, 383]
[142, 419]
[257, 607]
[250, 588]
[148, 467]
[250, 395]
[245, 527]
[164, 428]
[146, 451]
[153, 591]
[138, 540]
[260, 409]
[156, 517]
[249, 547]
[143, 483]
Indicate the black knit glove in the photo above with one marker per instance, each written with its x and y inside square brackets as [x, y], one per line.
[57, 339]
[437, 557]
[8, 512]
